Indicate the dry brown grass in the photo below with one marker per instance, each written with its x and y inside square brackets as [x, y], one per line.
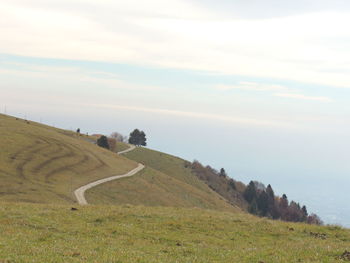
[39, 163]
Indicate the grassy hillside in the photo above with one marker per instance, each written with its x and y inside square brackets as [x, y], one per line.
[165, 182]
[121, 146]
[43, 164]
[39, 163]
[153, 188]
[52, 233]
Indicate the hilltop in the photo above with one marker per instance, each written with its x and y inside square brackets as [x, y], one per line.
[42, 164]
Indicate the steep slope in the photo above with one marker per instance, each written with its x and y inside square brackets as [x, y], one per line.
[42, 164]
[165, 182]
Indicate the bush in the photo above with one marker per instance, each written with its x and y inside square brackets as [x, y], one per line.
[103, 142]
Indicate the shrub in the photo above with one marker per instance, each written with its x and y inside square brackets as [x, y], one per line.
[103, 142]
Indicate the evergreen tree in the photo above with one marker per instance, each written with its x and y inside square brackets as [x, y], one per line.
[134, 137]
[250, 192]
[223, 172]
[270, 194]
[263, 203]
[138, 138]
[103, 142]
[305, 213]
[253, 207]
[273, 209]
[142, 139]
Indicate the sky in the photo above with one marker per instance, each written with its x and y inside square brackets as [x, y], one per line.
[260, 88]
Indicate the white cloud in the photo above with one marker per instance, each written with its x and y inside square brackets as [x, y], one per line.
[283, 91]
[201, 115]
[303, 97]
[252, 86]
[61, 75]
[309, 48]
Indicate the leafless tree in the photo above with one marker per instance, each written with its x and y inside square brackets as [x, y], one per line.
[112, 143]
[119, 137]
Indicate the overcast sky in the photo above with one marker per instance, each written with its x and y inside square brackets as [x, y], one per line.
[305, 41]
[287, 52]
[265, 80]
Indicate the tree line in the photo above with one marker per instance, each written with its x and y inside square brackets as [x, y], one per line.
[263, 202]
[254, 197]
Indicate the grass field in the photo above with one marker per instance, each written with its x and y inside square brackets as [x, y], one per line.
[42, 164]
[165, 182]
[121, 146]
[54, 233]
[39, 163]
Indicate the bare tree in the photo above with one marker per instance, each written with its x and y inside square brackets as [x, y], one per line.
[112, 143]
[314, 219]
[119, 137]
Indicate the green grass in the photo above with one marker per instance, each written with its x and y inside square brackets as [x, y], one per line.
[173, 166]
[42, 164]
[54, 233]
[165, 163]
[122, 146]
[153, 188]
[165, 182]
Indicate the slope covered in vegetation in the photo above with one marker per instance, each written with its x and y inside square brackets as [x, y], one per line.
[165, 182]
[53, 233]
[43, 164]
[255, 198]
[39, 163]
[160, 217]
[225, 186]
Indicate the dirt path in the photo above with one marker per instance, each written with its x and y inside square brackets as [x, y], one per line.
[80, 192]
[132, 147]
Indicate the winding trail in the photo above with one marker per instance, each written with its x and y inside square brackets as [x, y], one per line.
[80, 192]
[131, 147]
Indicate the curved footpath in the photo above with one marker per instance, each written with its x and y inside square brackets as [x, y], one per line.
[80, 192]
[132, 147]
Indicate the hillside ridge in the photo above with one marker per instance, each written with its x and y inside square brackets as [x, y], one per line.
[43, 164]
